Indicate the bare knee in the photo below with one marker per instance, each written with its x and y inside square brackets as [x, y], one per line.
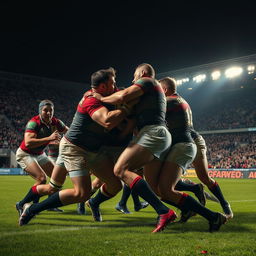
[81, 196]
[119, 172]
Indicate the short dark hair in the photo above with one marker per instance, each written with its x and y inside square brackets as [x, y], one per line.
[102, 76]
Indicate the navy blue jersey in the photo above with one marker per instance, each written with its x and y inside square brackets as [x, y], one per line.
[179, 119]
[151, 108]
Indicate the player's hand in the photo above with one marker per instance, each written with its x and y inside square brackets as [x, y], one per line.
[96, 95]
[55, 136]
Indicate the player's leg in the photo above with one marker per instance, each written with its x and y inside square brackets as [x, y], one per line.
[103, 169]
[80, 192]
[46, 164]
[201, 167]
[32, 167]
[121, 206]
[138, 205]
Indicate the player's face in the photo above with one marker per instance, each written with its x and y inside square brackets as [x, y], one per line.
[137, 74]
[47, 113]
[110, 86]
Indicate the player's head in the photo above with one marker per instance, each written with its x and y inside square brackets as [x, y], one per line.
[143, 70]
[169, 85]
[104, 81]
[46, 110]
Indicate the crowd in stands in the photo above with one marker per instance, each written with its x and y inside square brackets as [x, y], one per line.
[18, 104]
[238, 114]
[231, 151]
[227, 111]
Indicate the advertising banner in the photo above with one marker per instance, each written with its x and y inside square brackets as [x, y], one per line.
[12, 171]
[226, 173]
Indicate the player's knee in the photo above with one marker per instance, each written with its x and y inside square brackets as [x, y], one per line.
[119, 172]
[81, 196]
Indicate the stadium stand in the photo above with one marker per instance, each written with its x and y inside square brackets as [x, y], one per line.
[224, 112]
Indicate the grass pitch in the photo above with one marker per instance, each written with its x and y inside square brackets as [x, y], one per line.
[120, 234]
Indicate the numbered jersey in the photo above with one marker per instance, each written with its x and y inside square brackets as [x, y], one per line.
[179, 119]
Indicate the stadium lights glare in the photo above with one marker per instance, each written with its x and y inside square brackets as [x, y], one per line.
[215, 75]
[251, 69]
[182, 81]
[229, 73]
[233, 72]
[199, 78]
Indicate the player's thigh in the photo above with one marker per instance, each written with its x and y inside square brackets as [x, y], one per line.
[59, 174]
[133, 157]
[35, 171]
[82, 184]
[48, 168]
[104, 171]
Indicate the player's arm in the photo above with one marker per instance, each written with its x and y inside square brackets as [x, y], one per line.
[109, 119]
[31, 140]
[124, 96]
[65, 130]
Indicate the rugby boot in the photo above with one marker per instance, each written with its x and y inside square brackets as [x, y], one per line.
[95, 211]
[122, 208]
[140, 206]
[26, 216]
[215, 225]
[164, 220]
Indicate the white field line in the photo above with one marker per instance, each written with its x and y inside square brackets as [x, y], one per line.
[27, 232]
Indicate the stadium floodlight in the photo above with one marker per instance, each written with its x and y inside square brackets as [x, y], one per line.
[182, 81]
[215, 75]
[233, 72]
[199, 78]
[179, 82]
[251, 69]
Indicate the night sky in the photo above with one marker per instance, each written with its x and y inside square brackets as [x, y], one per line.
[71, 41]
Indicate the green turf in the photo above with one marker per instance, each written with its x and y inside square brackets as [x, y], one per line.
[70, 234]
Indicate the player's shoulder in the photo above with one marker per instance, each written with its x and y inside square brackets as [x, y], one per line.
[34, 122]
[145, 80]
[55, 120]
[35, 119]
